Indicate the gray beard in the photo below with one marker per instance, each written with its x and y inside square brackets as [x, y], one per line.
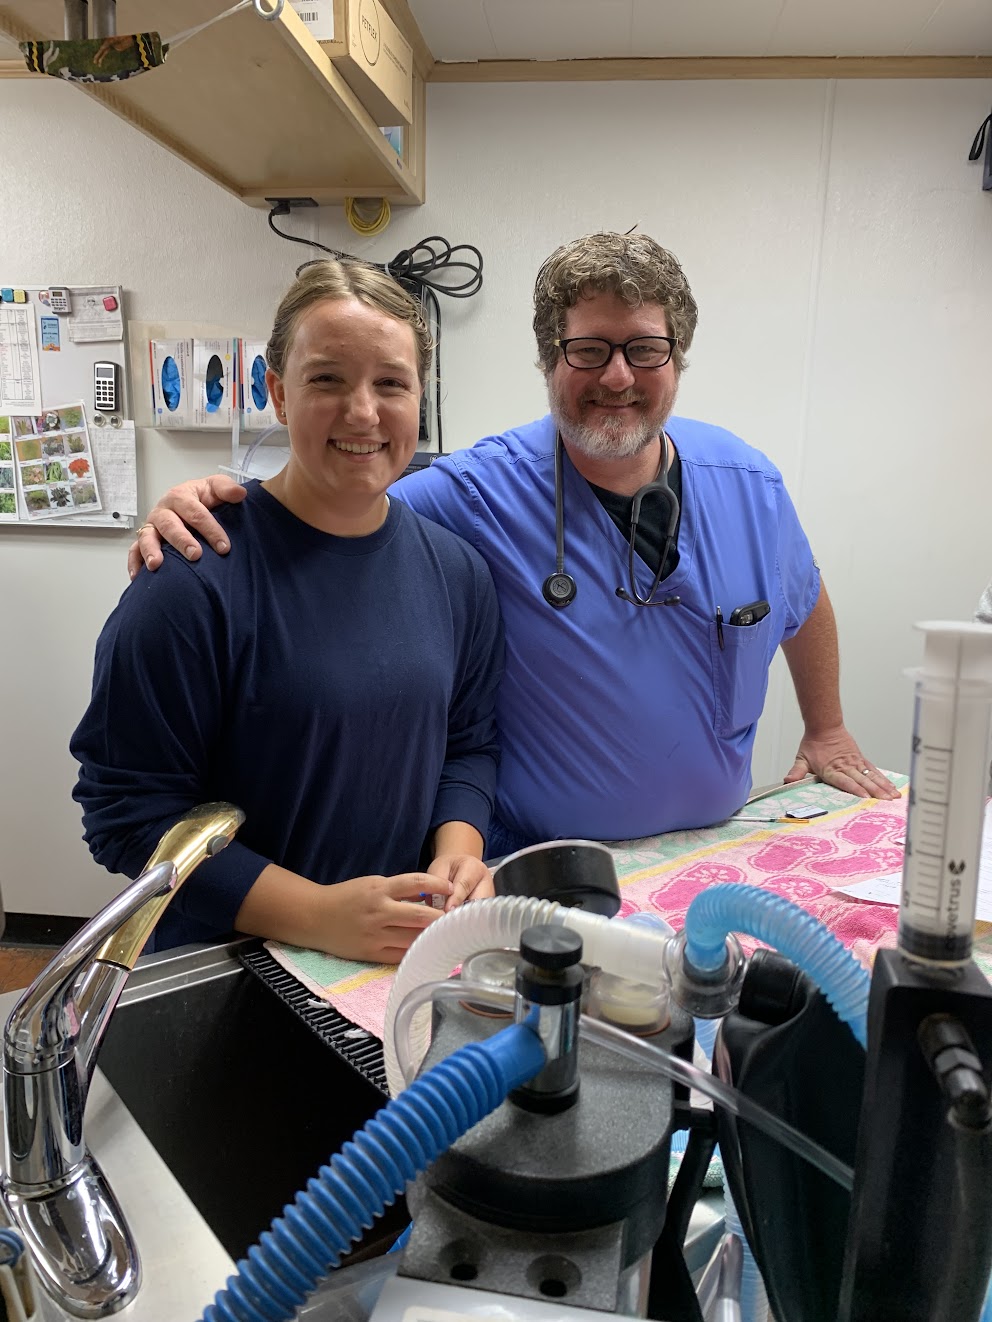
[611, 441]
[615, 439]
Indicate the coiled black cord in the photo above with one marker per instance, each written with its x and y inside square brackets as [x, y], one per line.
[420, 265]
[434, 266]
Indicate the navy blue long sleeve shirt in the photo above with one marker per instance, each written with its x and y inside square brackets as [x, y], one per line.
[339, 690]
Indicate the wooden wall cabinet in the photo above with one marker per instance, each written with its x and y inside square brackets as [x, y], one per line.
[256, 106]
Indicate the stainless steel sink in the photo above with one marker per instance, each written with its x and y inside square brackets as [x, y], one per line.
[239, 1097]
[212, 1106]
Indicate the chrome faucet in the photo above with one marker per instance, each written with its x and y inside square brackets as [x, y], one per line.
[55, 1191]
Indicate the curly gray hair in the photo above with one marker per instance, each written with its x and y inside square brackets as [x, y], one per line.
[632, 266]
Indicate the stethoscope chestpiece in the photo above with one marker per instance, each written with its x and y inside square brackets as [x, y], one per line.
[559, 590]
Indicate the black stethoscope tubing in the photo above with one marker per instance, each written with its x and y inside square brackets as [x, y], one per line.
[559, 589]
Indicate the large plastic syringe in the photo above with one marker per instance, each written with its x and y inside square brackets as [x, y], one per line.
[949, 775]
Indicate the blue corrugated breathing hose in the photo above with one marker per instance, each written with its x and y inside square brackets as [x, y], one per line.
[734, 907]
[370, 1172]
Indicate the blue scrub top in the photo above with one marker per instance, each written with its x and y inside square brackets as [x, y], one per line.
[618, 721]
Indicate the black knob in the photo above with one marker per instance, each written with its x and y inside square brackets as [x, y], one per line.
[551, 947]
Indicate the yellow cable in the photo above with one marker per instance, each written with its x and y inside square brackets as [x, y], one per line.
[358, 222]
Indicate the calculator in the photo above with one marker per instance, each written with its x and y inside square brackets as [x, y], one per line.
[106, 387]
[58, 301]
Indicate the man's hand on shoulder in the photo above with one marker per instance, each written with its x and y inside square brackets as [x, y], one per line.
[835, 757]
[185, 506]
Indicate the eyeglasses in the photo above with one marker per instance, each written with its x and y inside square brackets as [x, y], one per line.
[642, 351]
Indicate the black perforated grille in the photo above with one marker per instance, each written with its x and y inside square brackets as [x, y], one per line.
[361, 1050]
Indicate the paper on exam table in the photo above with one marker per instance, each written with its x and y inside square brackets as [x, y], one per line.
[887, 889]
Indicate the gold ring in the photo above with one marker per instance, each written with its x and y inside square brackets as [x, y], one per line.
[143, 527]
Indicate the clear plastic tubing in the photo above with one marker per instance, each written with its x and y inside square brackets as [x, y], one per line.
[948, 778]
[635, 1049]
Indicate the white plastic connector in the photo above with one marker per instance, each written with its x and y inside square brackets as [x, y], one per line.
[628, 950]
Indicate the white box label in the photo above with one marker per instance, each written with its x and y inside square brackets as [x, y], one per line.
[318, 15]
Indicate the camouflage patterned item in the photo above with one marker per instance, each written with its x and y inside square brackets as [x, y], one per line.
[97, 60]
[112, 59]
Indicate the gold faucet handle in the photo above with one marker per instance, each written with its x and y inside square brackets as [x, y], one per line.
[199, 834]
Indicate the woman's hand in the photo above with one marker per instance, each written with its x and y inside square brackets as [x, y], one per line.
[183, 507]
[469, 877]
[373, 919]
[376, 919]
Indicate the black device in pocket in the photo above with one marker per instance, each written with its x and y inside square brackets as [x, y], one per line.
[751, 614]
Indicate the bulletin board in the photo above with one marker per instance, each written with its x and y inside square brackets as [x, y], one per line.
[64, 463]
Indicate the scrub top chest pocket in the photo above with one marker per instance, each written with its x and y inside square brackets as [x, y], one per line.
[739, 649]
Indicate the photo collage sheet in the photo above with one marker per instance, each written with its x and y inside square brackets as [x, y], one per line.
[48, 459]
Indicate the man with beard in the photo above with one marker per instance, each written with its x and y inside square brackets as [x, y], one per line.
[636, 673]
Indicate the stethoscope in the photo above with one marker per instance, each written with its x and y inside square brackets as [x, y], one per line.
[559, 588]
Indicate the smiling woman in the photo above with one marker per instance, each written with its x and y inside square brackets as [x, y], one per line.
[334, 676]
[349, 394]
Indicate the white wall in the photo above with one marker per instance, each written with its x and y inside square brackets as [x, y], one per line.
[837, 241]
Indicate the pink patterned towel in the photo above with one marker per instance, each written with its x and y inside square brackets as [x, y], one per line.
[806, 862]
[358, 991]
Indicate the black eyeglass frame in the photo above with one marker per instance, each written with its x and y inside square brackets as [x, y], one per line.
[624, 348]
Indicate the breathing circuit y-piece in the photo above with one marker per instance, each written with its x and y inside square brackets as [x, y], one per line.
[710, 988]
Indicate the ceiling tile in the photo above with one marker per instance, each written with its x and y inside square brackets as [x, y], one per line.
[585, 29]
[958, 27]
[707, 27]
[560, 29]
[849, 27]
[455, 29]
